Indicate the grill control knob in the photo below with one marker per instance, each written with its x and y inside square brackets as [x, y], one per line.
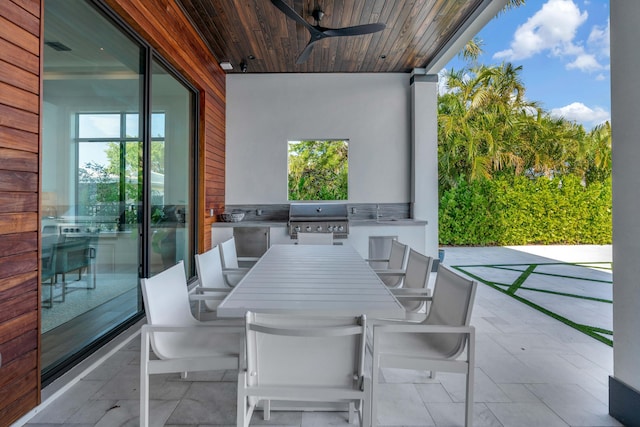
[319, 228]
[296, 228]
[340, 228]
[330, 228]
[308, 228]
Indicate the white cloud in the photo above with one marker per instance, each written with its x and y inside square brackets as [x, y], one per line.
[599, 39]
[585, 62]
[580, 113]
[600, 77]
[552, 28]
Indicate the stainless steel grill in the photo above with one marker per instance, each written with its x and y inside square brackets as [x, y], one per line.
[319, 218]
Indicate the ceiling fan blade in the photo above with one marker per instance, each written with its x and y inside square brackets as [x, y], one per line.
[355, 30]
[287, 10]
[306, 52]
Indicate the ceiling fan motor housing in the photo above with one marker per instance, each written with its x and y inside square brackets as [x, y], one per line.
[317, 14]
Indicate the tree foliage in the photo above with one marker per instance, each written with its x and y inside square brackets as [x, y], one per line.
[506, 166]
[318, 170]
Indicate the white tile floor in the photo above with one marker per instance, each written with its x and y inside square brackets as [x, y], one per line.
[531, 371]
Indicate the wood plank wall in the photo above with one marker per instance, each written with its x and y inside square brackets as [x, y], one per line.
[20, 88]
[163, 24]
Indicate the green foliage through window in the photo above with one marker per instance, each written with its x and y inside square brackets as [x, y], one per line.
[318, 170]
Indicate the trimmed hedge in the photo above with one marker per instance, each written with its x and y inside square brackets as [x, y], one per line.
[520, 211]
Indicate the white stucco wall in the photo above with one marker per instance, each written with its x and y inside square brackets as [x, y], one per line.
[625, 128]
[264, 111]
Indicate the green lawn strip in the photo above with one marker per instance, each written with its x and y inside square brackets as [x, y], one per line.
[520, 280]
[563, 276]
[587, 330]
[564, 294]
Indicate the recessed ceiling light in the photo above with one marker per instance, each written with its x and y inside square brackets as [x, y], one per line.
[226, 65]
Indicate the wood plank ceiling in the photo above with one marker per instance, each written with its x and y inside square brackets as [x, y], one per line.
[256, 33]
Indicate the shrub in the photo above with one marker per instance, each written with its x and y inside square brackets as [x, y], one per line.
[520, 210]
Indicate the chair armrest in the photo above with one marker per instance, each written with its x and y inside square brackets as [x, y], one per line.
[248, 258]
[409, 294]
[207, 297]
[387, 272]
[413, 328]
[201, 290]
[240, 270]
[222, 329]
[377, 259]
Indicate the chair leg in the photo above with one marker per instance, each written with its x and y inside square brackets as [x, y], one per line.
[352, 410]
[471, 344]
[375, 382]
[365, 405]
[266, 410]
[144, 381]
[468, 413]
[244, 409]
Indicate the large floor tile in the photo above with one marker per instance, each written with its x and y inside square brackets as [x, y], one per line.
[401, 405]
[574, 405]
[452, 415]
[207, 403]
[525, 415]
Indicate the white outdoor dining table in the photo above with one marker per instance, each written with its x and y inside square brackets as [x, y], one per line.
[312, 280]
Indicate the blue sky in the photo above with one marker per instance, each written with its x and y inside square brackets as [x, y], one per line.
[563, 47]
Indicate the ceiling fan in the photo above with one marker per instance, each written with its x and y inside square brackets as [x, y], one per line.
[318, 32]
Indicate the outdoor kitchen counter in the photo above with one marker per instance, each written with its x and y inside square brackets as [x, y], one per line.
[352, 223]
[250, 224]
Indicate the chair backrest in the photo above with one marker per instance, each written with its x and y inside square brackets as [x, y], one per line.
[166, 302]
[315, 238]
[416, 277]
[397, 257]
[452, 303]
[48, 256]
[285, 350]
[229, 254]
[209, 270]
[380, 248]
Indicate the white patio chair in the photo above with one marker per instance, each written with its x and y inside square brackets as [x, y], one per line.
[304, 359]
[179, 341]
[434, 344]
[415, 281]
[315, 238]
[393, 273]
[379, 249]
[233, 273]
[211, 281]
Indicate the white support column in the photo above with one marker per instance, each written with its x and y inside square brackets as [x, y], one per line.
[424, 155]
[624, 386]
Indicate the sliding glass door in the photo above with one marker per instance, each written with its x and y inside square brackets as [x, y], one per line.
[117, 178]
[172, 183]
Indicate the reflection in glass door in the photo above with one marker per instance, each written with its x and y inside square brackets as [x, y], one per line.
[92, 186]
[171, 171]
[118, 186]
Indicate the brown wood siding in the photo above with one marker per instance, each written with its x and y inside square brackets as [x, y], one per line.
[163, 24]
[20, 88]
